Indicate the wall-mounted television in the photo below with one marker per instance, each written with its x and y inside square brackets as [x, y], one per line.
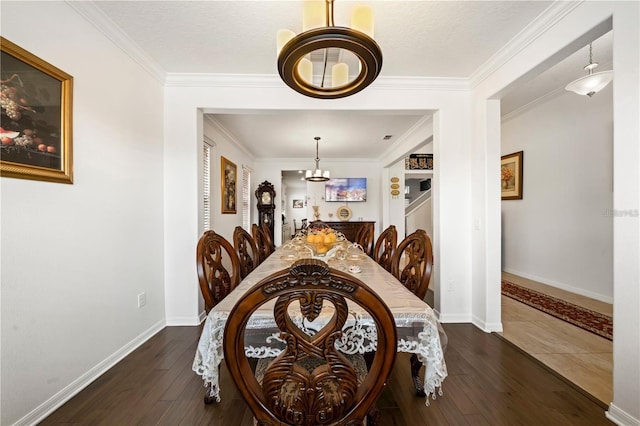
[346, 189]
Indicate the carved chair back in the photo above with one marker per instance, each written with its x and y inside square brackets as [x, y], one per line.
[385, 247]
[318, 224]
[364, 237]
[218, 268]
[247, 251]
[412, 262]
[264, 249]
[328, 392]
[268, 237]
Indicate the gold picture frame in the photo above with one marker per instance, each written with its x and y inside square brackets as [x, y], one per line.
[228, 179]
[36, 121]
[511, 176]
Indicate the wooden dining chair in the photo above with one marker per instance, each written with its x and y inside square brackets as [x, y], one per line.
[411, 264]
[218, 268]
[268, 237]
[247, 251]
[385, 247]
[264, 248]
[318, 224]
[364, 237]
[311, 382]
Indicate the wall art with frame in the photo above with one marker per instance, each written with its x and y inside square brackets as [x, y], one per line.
[511, 176]
[229, 173]
[36, 120]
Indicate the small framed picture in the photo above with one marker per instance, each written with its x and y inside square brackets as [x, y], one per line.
[298, 204]
[35, 126]
[228, 179]
[511, 176]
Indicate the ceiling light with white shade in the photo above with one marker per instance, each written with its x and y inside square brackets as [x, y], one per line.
[327, 61]
[591, 83]
[317, 175]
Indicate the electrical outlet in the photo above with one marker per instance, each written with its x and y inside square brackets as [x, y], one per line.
[142, 300]
[451, 286]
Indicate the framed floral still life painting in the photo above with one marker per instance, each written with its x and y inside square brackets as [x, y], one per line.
[511, 176]
[228, 179]
[35, 126]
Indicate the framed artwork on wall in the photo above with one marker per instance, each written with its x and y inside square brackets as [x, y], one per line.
[511, 176]
[298, 204]
[228, 179]
[35, 125]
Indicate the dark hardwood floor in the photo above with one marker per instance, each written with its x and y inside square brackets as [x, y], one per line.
[490, 382]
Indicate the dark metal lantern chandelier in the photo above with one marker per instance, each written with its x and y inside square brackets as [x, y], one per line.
[295, 52]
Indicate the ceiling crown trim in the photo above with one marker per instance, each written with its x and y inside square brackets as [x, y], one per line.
[230, 137]
[95, 16]
[274, 81]
[547, 19]
[541, 100]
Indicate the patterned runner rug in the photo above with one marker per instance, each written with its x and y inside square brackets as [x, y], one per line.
[587, 319]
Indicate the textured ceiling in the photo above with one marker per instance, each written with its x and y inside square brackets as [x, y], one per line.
[418, 38]
[440, 39]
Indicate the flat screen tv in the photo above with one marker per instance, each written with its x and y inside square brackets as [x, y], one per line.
[346, 189]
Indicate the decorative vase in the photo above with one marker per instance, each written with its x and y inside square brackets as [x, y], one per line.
[316, 213]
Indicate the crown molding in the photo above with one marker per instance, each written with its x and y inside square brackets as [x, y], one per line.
[95, 16]
[541, 100]
[426, 120]
[547, 19]
[230, 137]
[534, 103]
[223, 80]
[274, 81]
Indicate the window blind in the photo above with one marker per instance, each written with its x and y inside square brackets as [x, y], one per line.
[246, 198]
[206, 187]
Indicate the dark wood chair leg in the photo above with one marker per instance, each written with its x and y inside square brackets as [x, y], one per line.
[415, 375]
[373, 418]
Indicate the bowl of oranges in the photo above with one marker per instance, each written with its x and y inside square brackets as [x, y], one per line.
[322, 240]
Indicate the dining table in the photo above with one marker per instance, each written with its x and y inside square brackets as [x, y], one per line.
[419, 331]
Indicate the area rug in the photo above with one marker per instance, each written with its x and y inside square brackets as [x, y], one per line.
[584, 318]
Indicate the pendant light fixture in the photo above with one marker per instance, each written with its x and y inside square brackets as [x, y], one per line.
[322, 43]
[317, 175]
[592, 83]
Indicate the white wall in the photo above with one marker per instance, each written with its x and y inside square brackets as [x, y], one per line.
[295, 214]
[561, 232]
[75, 257]
[224, 224]
[576, 25]
[185, 96]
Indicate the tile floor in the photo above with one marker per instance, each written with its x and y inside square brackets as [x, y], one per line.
[580, 356]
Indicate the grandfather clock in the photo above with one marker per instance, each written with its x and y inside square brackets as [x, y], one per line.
[266, 196]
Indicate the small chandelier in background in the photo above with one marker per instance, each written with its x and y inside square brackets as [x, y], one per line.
[317, 175]
[322, 43]
[592, 83]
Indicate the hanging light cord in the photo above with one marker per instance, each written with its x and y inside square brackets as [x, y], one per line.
[317, 156]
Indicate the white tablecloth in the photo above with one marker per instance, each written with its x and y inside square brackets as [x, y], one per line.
[419, 331]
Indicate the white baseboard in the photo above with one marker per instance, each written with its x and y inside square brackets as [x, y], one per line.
[561, 286]
[182, 321]
[53, 403]
[620, 417]
[487, 327]
[455, 318]
[202, 317]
